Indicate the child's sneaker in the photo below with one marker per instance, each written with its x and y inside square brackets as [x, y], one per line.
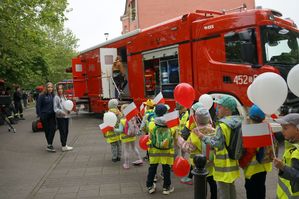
[66, 148]
[50, 148]
[152, 189]
[167, 191]
[137, 162]
[126, 166]
[187, 180]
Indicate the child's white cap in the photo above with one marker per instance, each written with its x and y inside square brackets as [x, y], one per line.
[202, 116]
[292, 118]
[113, 103]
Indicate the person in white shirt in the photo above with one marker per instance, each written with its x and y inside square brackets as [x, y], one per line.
[62, 117]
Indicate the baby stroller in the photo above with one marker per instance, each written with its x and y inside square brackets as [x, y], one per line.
[5, 101]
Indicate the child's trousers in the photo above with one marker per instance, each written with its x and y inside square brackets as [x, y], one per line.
[116, 150]
[134, 148]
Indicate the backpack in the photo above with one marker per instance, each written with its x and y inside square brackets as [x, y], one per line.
[162, 138]
[235, 148]
[131, 127]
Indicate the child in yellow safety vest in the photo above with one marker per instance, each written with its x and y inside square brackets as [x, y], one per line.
[256, 162]
[112, 137]
[161, 150]
[128, 131]
[190, 123]
[225, 170]
[288, 181]
[203, 121]
[147, 118]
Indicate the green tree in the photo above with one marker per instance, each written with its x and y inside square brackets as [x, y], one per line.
[34, 47]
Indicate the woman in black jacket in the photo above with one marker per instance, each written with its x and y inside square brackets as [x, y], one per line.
[45, 111]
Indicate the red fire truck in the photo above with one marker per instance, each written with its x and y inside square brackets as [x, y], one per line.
[216, 52]
[68, 88]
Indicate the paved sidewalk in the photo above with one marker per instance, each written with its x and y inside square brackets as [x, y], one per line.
[85, 172]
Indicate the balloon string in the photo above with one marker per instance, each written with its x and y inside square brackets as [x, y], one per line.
[272, 142]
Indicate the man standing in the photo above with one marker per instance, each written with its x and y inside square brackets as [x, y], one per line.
[226, 170]
[25, 99]
[17, 98]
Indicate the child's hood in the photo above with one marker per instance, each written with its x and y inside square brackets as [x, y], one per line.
[232, 121]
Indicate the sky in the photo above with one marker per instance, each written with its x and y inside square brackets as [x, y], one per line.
[90, 19]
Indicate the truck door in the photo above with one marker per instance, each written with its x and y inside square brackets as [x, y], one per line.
[79, 77]
[94, 77]
[107, 57]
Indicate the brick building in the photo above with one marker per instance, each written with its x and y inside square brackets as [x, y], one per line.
[140, 14]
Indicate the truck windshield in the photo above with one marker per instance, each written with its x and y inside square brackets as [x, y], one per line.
[280, 45]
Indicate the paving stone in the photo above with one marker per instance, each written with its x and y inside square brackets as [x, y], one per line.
[76, 172]
[44, 196]
[65, 195]
[88, 193]
[89, 187]
[72, 189]
[48, 190]
[110, 189]
[130, 188]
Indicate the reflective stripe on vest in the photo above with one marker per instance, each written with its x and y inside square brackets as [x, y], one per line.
[226, 169]
[124, 136]
[221, 157]
[110, 136]
[285, 190]
[161, 155]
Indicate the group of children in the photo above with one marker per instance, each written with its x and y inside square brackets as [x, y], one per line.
[125, 133]
[198, 134]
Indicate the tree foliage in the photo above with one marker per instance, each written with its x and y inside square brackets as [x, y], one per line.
[34, 47]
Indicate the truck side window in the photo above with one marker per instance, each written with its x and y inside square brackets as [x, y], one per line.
[240, 46]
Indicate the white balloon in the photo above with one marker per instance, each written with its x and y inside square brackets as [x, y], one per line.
[110, 119]
[269, 91]
[249, 93]
[206, 100]
[293, 80]
[68, 105]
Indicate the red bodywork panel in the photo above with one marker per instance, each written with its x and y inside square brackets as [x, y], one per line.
[201, 55]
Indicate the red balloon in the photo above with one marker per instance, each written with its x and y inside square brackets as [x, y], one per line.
[181, 167]
[184, 94]
[142, 142]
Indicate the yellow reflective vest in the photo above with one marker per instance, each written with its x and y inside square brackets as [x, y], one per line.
[126, 138]
[158, 156]
[284, 189]
[194, 139]
[183, 120]
[111, 137]
[190, 126]
[225, 169]
[255, 167]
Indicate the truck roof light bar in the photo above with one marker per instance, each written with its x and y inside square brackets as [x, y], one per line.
[209, 13]
[240, 8]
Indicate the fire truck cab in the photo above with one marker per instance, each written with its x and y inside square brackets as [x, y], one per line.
[217, 53]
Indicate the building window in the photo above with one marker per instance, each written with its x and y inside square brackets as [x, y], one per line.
[132, 10]
[240, 46]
